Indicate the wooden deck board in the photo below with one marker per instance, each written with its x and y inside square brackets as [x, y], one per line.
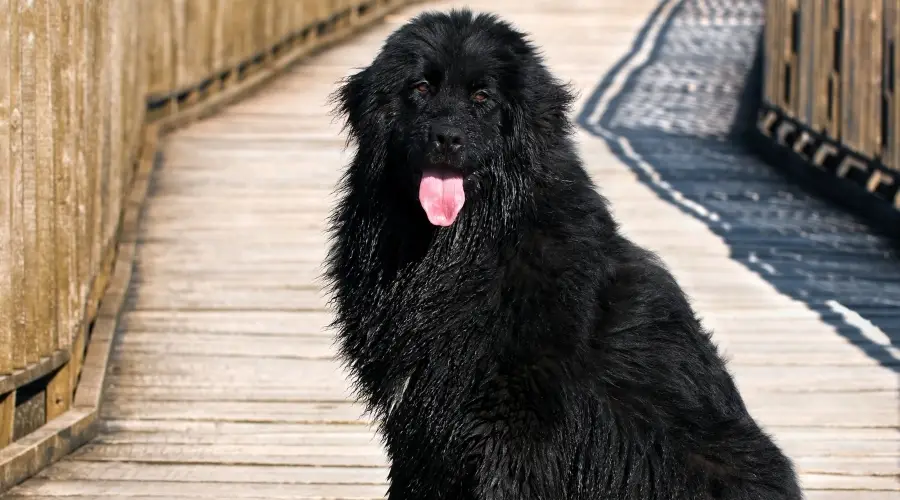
[223, 385]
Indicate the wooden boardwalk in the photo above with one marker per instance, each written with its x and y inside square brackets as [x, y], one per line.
[222, 384]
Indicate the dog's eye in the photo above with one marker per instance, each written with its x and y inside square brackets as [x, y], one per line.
[422, 87]
[480, 96]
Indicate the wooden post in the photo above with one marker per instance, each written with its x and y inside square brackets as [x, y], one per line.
[59, 392]
[7, 417]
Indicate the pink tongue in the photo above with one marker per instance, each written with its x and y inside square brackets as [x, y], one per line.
[442, 196]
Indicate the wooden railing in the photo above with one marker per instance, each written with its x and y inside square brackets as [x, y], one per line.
[830, 92]
[85, 87]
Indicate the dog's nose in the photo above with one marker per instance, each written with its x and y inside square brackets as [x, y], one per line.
[447, 137]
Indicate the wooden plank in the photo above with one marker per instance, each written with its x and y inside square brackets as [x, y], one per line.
[159, 47]
[64, 313]
[804, 325]
[295, 346]
[133, 490]
[801, 349]
[46, 330]
[849, 483]
[198, 431]
[838, 64]
[871, 38]
[806, 46]
[255, 322]
[849, 495]
[7, 308]
[66, 243]
[894, 29]
[203, 490]
[218, 473]
[91, 66]
[215, 394]
[318, 455]
[889, 146]
[288, 473]
[33, 371]
[32, 334]
[849, 74]
[811, 441]
[816, 36]
[77, 101]
[113, 143]
[237, 371]
[338, 411]
[810, 495]
[774, 54]
[139, 370]
[841, 410]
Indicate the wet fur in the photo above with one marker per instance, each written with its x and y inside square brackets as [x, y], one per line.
[528, 351]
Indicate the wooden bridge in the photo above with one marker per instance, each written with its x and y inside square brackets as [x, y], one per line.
[209, 373]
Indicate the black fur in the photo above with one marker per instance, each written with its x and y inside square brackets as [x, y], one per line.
[529, 350]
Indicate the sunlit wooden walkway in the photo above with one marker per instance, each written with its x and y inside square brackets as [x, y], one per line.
[222, 384]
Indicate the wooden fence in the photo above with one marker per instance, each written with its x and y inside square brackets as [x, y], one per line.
[830, 92]
[84, 86]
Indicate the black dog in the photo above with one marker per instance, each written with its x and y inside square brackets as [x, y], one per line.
[511, 342]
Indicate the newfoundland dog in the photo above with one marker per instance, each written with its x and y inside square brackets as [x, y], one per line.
[511, 343]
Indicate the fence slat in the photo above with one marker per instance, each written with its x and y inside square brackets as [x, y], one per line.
[16, 195]
[59, 29]
[91, 121]
[7, 307]
[113, 147]
[34, 91]
[79, 40]
[894, 58]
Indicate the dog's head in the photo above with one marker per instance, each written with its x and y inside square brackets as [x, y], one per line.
[452, 104]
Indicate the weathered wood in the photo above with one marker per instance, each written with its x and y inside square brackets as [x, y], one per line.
[122, 489]
[26, 456]
[830, 67]
[58, 393]
[72, 131]
[250, 322]
[850, 495]
[196, 431]
[7, 417]
[834, 446]
[221, 382]
[33, 371]
[254, 346]
[337, 410]
[812, 495]
[7, 307]
[218, 473]
[141, 371]
[317, 455]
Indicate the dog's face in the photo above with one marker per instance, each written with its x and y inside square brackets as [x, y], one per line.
[450, 99]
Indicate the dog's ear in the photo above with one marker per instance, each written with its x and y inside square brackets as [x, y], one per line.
[356, 102]
[550, 104]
